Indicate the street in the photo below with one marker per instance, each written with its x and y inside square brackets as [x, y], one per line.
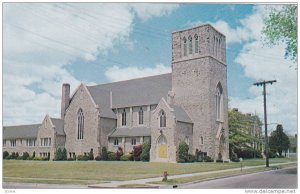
[285, 178]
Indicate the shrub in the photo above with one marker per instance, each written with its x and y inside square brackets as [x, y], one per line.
[40, 158]
[98, 158]
[145, 155]
[111, 156]
[104, 154]
[119, 153]
[191, 158]
[70, 159]
[220, 161]
[82, 158]
[60, 155]
[137, 150]
[5, 154]
[9, 157]
[183, 152]
[91, 155]
[208, 159]
[127, 157]
[33, 154]
[64, 154]
[25, 156]
[17, 154]
[13, 155]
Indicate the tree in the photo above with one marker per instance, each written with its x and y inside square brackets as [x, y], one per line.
[281, 25]
[279, 141]
[183, 152]
[145, 155]
[91, 155]
[244, 135]
[104, 154]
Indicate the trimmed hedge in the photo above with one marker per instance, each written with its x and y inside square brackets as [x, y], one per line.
[127, 157]
[183, 152]
[145, 155]
[208, 159]
[104, 154]
[40, 158]
[111, 156]
[82, 158]
[5, 154]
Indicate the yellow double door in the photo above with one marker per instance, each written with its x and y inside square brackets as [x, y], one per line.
[162, 149]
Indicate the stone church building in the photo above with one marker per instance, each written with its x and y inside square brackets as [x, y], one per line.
[189, 104]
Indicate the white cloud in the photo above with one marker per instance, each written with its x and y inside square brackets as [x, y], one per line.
[40, 39]
[147, 11]
[117, 73]
[263, 63]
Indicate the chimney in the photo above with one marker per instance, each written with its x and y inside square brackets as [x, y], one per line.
[65, 99]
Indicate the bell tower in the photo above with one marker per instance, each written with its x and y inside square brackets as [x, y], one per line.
[199, 83]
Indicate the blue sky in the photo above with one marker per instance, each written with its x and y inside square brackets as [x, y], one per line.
[47, 44]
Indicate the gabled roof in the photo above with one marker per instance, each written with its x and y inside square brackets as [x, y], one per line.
[181, 115]
[20, 131]
[59, 125]
[131, 132]
[135, 92]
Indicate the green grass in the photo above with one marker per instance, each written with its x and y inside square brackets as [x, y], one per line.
[216, 175]
[112, 170]
[58, 181]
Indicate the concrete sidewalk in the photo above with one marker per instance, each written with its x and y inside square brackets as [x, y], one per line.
[118, 184]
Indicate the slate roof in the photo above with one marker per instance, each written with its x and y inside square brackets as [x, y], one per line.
[20, 131]
[135, 92]
[181, 115]
[59, 126]
[131, 132]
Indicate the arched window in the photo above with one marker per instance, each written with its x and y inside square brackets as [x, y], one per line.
[124, 117]
[184, 47]
[162, 140]
[141, 116]
[190, 45]
[196, 44]
[80, 124]
[162, 119]
[219, 101]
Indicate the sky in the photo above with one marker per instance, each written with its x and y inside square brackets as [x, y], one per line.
[47, 44]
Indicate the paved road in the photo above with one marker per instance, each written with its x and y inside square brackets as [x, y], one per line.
[8, 185]
[285, 178]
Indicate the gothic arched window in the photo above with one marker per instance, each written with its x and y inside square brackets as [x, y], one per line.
[219, 101]
[184, 47]
[80, 124]
[124, 117]
[190, 45]
[162, 119]
[196, 44]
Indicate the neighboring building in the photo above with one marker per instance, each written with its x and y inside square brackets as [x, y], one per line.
[190, 104]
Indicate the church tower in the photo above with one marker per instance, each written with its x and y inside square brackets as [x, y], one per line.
[199, 82]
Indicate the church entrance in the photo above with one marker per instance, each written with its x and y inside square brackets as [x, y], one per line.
[162, 147]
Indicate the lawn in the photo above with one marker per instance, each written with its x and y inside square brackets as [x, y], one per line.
[110, 170]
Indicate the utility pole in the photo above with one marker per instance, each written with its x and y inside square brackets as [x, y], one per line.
[263, 83]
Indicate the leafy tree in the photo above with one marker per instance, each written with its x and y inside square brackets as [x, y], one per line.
[279, 141]
[104, 154]
[64, 154]
[183, 152]
[145, 155]
[242, 141]
[281, 25]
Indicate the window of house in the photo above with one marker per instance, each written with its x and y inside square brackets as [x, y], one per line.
[133, 141]
[162, 119]
[184, 47]
[124, 117]
[201, 140]
[141, 116]
[13, 143]
[190, 45]
[80, 124]
[196, 44]
[219, 101]
[116, 142]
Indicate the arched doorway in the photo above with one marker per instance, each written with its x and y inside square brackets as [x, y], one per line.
[162, 147]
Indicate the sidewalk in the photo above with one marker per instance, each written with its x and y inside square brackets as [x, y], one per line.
[117, 184]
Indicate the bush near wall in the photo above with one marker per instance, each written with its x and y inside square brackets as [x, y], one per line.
[208, 159]
[5, 154]
[119, 153]
[82, 158]
[40, 158]
[137, 150]
[25, 156]
[127, 157]
[104, 154]
[183, 152]
[145, 155]
[111, 156]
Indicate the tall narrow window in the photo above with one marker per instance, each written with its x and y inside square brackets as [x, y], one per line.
[219, 101]
[4, 143]
[184, 47]
[124, 117]
[201, 140]
[13, 143]
[162, 119]
[196, 44]
[141, 116]
[80, 124]
[116, 141]
[190, 45]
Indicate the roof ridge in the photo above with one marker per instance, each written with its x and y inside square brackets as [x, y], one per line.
[22, 125]
[122, 81]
